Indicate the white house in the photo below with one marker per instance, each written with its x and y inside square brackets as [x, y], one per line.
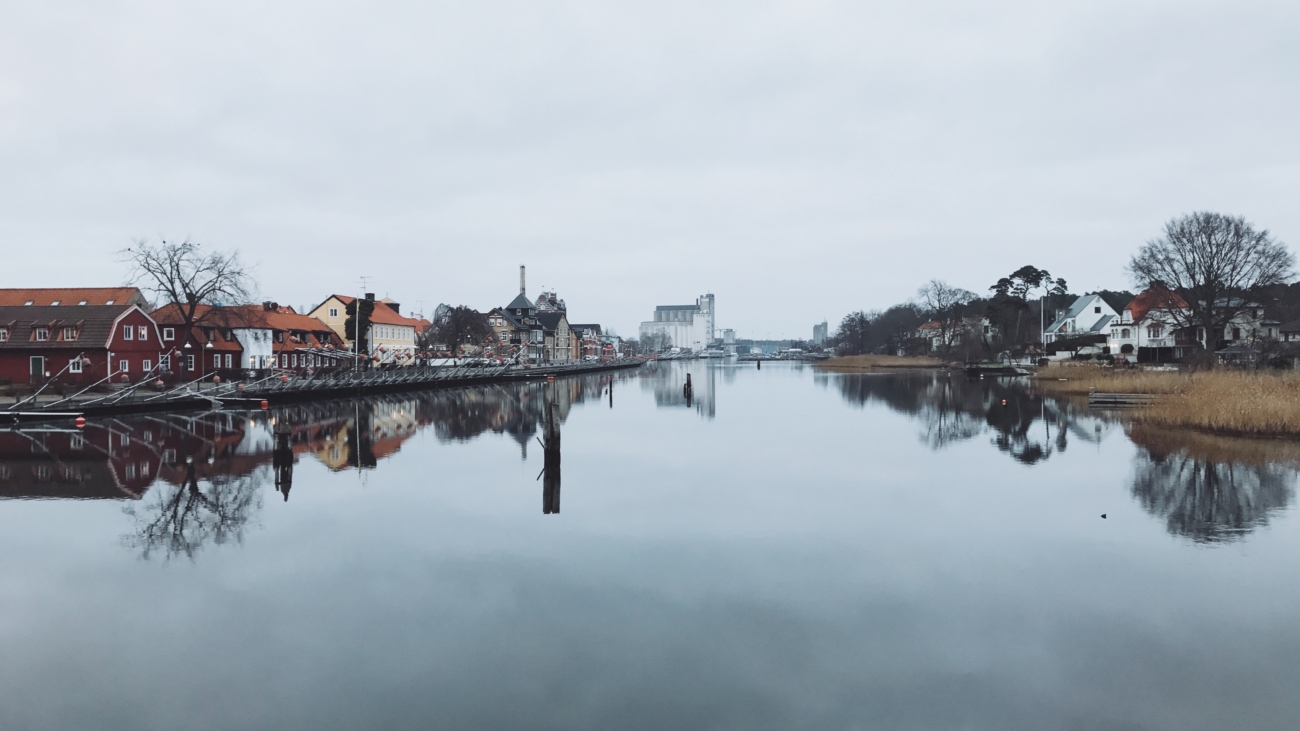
[1149, 323]
[1088, 315]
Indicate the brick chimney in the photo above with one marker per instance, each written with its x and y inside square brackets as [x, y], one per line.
[521, 279]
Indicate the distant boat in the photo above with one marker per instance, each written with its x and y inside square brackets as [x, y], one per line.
[715, 353]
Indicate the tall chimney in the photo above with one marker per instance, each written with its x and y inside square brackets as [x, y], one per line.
[521, 279]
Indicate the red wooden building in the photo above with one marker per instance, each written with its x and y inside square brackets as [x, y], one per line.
[78, 344]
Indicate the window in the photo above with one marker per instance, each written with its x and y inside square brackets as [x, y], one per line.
[189, 363]
[74, 365]
[4, 334]
[128, 332]
[77, 441]
[216, 360]
[169, 333]
[54, 303]
[144, 469]
[169, 456]
[124, 439]
[144, 333]
[1236, 333]
[1097, 310]
[147, 436]
[1124, 334]
[230, 361]
[334, 312]
[123, 366]
[1155, 331]
[28, 303]
[147, 365]
[165, 362]
[130, 472]
[294, 360]
[81, 302]
[284, 360]
[109, 302]
[69, 333]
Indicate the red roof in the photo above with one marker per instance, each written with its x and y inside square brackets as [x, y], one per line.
[1156, 298]
[41, 296]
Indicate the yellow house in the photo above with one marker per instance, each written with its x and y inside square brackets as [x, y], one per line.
[392, 337]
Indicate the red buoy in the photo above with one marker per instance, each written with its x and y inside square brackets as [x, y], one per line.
[81, 422]
[265, 405]
[284, 379]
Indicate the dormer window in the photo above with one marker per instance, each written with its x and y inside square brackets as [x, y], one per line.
[4, 334]
[169, 333]
[1097, 310]
[69, 333]
[42, 334]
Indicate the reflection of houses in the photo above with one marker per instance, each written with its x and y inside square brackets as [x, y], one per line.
[95, 464]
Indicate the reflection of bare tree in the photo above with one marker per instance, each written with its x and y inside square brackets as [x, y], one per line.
[953, 408]
[1209, 501]
[181, 519]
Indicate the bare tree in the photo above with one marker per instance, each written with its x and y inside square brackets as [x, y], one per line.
[1217, 263]
[185, 276]
[457, 326]
[944, 303]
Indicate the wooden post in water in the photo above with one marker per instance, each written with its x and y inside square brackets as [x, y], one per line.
[282, 459]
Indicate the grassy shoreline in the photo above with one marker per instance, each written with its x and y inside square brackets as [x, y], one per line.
[1237, 403]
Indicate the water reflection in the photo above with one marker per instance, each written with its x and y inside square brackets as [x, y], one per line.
[194, 479]
[1207, 488]
[952, 408]
[667, 381]
[1211, 489]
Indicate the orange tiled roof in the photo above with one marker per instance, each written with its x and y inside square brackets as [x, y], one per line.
[385, 315]
[1154, 299]
[41, 296]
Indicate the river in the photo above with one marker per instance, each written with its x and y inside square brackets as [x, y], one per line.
[786, 549]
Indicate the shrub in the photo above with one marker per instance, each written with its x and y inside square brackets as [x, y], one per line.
[1126, 348]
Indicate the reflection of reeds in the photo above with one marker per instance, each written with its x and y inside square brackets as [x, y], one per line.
[1163, 441]
[1223, 401]
[876, 362]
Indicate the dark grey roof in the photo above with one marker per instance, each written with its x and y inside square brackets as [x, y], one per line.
[1102, 324]
[678, 307]
[96, 323]
[1291, 327]
[521, 303]
[592, 326]
[550, 320]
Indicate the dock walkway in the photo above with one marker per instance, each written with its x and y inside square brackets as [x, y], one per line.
[283, 388]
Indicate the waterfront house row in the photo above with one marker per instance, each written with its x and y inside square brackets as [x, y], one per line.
[1153, 327]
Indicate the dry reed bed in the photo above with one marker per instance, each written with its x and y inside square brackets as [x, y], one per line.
[1219, 401]
[876, 362]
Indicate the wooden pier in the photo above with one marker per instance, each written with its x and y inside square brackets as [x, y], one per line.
[1098, 400]
[284, 388]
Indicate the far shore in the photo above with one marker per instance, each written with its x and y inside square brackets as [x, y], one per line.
[856, 363]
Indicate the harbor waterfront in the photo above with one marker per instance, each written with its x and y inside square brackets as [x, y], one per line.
[782, 547]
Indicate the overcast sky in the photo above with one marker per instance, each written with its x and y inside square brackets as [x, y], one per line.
[799, 160]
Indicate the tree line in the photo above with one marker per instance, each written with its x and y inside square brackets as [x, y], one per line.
[1219, 264]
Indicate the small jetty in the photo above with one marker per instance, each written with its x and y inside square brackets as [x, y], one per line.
[286, 387]
[1100, 400]
[996, 370]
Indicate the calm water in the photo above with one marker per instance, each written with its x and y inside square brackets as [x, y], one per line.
[790, 550]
